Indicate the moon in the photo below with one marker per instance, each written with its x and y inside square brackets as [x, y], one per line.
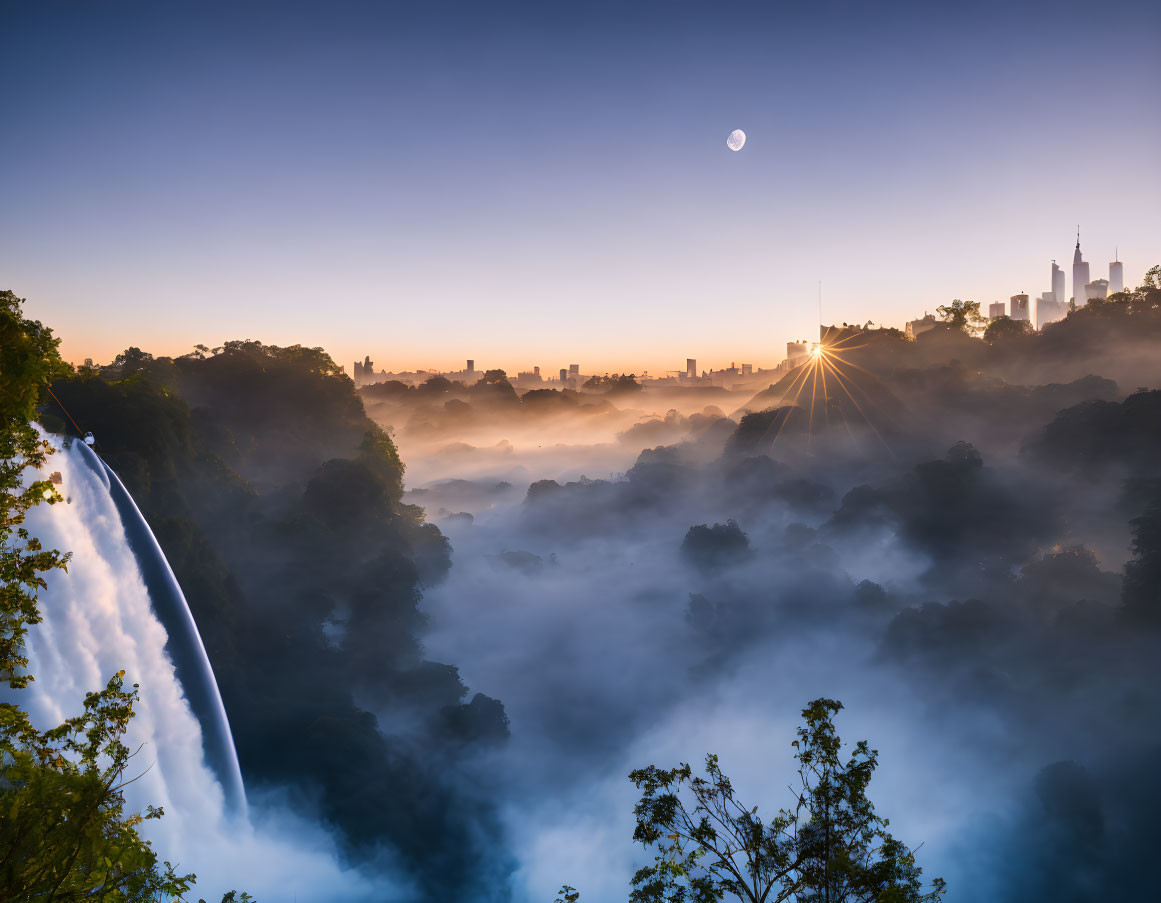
[736, 140]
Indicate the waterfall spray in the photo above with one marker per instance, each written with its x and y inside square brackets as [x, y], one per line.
[184, 646]
[120, 606]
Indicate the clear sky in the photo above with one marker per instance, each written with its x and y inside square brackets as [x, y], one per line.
[548, 183]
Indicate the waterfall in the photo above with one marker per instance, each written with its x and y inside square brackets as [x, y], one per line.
[120, 607]
[184, 645]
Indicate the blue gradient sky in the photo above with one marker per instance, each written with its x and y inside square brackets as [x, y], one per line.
[549, 183]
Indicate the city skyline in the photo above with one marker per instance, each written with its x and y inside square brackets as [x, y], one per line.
[456, 417]
[554, 183]
[520, 361]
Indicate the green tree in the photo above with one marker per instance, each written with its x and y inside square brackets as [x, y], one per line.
[617, 383]
[28, 360]
[493, 378]
[1153, 276]
[962, 315]
[64, 832]
[829, 847]
[1141, 590]
[1003, 329]
[493, 386]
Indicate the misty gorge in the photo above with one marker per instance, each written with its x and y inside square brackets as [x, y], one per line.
[448, 617]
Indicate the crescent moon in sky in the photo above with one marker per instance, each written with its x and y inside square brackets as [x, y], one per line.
[736, 140]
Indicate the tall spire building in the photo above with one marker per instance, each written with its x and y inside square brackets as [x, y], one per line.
[1079, 274]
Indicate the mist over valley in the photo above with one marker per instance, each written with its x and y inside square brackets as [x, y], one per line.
[448, 619]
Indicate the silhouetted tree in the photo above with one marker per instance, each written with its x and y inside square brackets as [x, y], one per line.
[618, 382]
[828, 846]
[435, 385]
[1004, 329]
[708, 547]
[962, 315]
[1141, 593]
[493, 386]
[493, 378]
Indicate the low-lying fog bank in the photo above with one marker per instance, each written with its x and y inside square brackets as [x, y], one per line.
[968, 563]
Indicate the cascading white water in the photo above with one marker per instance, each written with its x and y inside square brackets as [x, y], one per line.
[185, 645]
[100, 618]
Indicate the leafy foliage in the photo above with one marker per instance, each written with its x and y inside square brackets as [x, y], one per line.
[64, 833]
[713, 547]
[829, 846]
[279, 502]
[1142, 587]
[1004, 329]
[962, 315]
[493, 388]
[28, 357]
[617, 383]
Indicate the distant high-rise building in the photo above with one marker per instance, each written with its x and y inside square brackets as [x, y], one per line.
[1049, 309]
[574, 371]
[365, 371]
[529, 378]
[1058, 287]
[1097, 290]
[1052, 305]
[1079, 274]
[691, 367]
[995, 309]
[1116, 276]
[1019, 308]
[796, 351]
[563, 376]
[747, 369]
[1045, 309]
[471, 367]
[915, 328]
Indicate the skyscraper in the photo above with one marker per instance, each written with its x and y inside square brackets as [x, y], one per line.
[1116, 276]
[1058, 287]
[1079, 274]
[996, 309]
[1019, 309]
[1096, 290]
[1049, 310]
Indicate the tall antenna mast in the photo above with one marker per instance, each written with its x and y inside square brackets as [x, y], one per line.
[820, 310]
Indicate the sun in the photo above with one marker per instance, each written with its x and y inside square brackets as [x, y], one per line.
[828, 377]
